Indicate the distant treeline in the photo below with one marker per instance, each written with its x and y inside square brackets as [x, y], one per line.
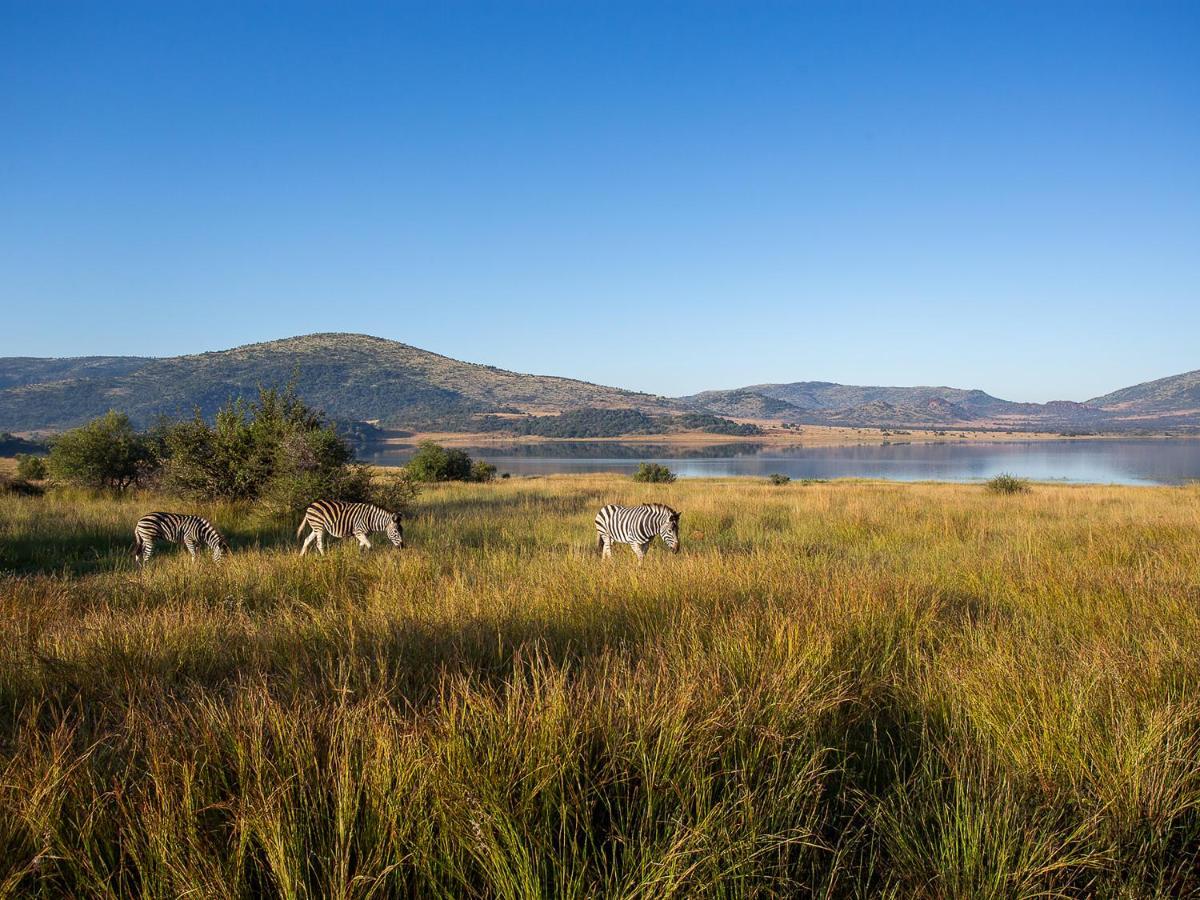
[11, 445]
[594, 423]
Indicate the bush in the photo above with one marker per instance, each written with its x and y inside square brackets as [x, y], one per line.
[1008, 484]
[394, 490]
[482, 472]
[275, 451]
[433, 462]
[106, 453]
[653, 473]
[30, 468]
[777, 478]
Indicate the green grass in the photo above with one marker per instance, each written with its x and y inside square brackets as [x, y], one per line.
[854, 689]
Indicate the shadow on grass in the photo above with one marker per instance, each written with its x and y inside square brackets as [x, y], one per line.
[408, 659]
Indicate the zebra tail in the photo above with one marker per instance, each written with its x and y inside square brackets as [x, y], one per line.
[300, 530]
[599, 541]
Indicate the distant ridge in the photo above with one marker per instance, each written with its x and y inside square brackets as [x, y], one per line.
[1175, 395]
[358, 377]
[349, 376]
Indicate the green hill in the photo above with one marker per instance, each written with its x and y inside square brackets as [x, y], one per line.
[348, 376]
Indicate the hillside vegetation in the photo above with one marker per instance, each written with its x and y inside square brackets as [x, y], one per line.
[595, 423]
[844, 689]
[347, 376]
[354, 378]
[1179, 393]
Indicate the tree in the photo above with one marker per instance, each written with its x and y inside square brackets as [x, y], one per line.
[433, 462]
[275, 451]
[105, 453]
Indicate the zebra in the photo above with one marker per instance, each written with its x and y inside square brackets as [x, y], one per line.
[636, 526]
[344, 519]
[176, 528]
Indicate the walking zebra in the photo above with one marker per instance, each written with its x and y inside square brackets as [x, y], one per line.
[176, 528]
[345, 519]
[636, 526]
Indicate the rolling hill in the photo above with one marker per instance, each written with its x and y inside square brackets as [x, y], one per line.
[349, 376]
[1174, 396]
[355, 377]
[1168, 402]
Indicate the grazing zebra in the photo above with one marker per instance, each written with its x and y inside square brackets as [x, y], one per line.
[636, 526]
[345, 519]
[176, 528]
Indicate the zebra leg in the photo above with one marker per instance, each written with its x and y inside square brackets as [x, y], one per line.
[640, 550]
[362, 540]
[191, 548]
[606, 553]
[308, 540]
[321, 541]
[147, 549]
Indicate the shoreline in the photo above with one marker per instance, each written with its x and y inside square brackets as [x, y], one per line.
[806, 436]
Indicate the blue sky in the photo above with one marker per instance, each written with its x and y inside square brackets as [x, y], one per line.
[664, 196]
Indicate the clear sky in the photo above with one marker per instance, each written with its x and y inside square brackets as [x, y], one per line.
[663, 196]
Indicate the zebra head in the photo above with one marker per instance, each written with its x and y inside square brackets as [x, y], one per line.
[669, 529]
[395, 531]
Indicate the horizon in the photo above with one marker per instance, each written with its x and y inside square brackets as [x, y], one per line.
[662, 198]
[618, 385]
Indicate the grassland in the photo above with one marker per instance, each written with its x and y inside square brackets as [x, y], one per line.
[842, 689]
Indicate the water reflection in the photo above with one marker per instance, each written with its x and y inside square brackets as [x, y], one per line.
[1132, 461]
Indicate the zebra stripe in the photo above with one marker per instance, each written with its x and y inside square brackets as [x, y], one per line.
[341, 519]
[636, 526]
[176, 528]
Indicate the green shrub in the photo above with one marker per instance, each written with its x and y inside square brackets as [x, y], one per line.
[394, 490]
[106, 453]
[433, 462]
[1008, 484]
[653, 473]
[777, 478]
[30, 468]
[275, 451]
[482, 472]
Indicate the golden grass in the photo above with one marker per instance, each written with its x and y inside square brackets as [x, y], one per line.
[847, 689]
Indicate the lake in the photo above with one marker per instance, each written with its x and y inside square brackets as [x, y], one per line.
[1117, 461]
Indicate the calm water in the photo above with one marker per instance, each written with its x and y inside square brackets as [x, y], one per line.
[1133, 461]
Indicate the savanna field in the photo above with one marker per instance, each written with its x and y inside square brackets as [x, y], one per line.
[842, 689]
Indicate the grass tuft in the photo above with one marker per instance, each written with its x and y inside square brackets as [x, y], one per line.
[1007, 484]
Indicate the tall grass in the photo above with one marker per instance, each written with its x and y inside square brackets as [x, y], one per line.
[855, 689]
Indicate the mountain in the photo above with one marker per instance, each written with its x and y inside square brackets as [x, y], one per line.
[355, 377]
[1176, 395]
[744, 404]
[824, 402]
[348, 376]
[1168, 402]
